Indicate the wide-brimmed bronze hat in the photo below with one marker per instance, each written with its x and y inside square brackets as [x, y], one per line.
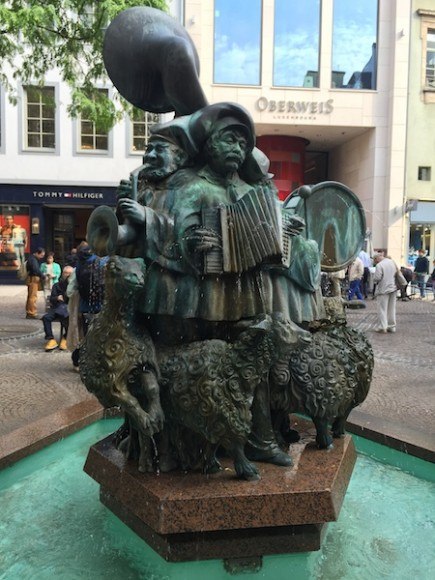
[217, 117]
[176, 131]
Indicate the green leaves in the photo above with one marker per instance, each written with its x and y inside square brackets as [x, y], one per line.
[37, 36]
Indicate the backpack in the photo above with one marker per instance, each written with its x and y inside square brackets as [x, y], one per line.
[90, 282]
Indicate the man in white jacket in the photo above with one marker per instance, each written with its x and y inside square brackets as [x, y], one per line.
[386, 291]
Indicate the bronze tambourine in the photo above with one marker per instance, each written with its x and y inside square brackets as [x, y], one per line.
[334, 218]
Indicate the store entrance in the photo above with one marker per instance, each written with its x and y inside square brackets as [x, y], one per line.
[420, 238]
[65, 229]
[63, 234]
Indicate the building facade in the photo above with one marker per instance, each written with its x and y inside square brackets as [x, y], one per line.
[420, 151]
[327, 85]
[54, 170]
[338, 91]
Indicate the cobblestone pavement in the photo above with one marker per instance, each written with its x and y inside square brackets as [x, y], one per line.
[34, 384]
[403, 386]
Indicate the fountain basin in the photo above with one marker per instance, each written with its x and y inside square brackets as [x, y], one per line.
[189, 516]
[53, 524]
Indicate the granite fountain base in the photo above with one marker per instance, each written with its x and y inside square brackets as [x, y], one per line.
[190, 516]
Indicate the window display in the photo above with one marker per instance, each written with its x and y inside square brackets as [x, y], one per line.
[14, 236]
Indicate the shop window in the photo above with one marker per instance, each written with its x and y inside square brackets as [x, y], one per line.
[296, 43]
[424, 173]
[237, 42]
[14, 236]
[354, 44]
[92, 137]
[419, 239]
[40, 121]
[141, 124]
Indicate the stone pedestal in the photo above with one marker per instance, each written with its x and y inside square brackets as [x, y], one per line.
[190, 516]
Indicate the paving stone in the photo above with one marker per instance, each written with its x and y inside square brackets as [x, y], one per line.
[35, 384]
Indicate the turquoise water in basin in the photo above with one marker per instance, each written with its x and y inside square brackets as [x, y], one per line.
[53, 526]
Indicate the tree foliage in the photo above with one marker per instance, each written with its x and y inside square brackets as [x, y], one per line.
[39, 35]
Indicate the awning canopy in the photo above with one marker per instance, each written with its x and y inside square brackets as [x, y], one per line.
[424, 214]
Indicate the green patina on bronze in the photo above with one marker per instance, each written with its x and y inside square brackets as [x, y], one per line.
[213, 307]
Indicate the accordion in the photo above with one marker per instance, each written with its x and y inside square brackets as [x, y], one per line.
[252, 233]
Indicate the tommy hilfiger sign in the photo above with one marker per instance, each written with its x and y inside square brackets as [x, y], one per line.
[67, 195]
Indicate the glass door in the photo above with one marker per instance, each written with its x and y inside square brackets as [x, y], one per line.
[63, 234]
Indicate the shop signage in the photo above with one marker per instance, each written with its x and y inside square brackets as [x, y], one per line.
[67, 195]
[295, 107]
[37, 194]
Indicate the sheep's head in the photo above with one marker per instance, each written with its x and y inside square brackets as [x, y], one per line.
[125, 276]
[287, 335]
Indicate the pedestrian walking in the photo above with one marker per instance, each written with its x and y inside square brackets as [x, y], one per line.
[33, 281]
[356, 272]
[367, 263]
[386, 290]
[421, 270]
[87, 281]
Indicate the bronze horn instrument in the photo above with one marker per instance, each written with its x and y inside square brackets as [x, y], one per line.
[105, 234]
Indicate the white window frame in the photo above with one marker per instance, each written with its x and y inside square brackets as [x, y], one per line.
[424, 173]
[427, 23]
[25, 148]
[430, 83]
[148, 122]
[78, 135]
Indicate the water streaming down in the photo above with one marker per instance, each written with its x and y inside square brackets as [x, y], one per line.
[53, 526]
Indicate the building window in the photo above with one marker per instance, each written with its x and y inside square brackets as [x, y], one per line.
[40, 110]
[354, 44]
[237, 42]
[430, 58]
[93, 137]
[88, 14]
[427, 33]
[296, 43]
[424, 173]
[141, 124]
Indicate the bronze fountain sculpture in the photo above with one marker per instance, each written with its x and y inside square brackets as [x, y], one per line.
[213, 327]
